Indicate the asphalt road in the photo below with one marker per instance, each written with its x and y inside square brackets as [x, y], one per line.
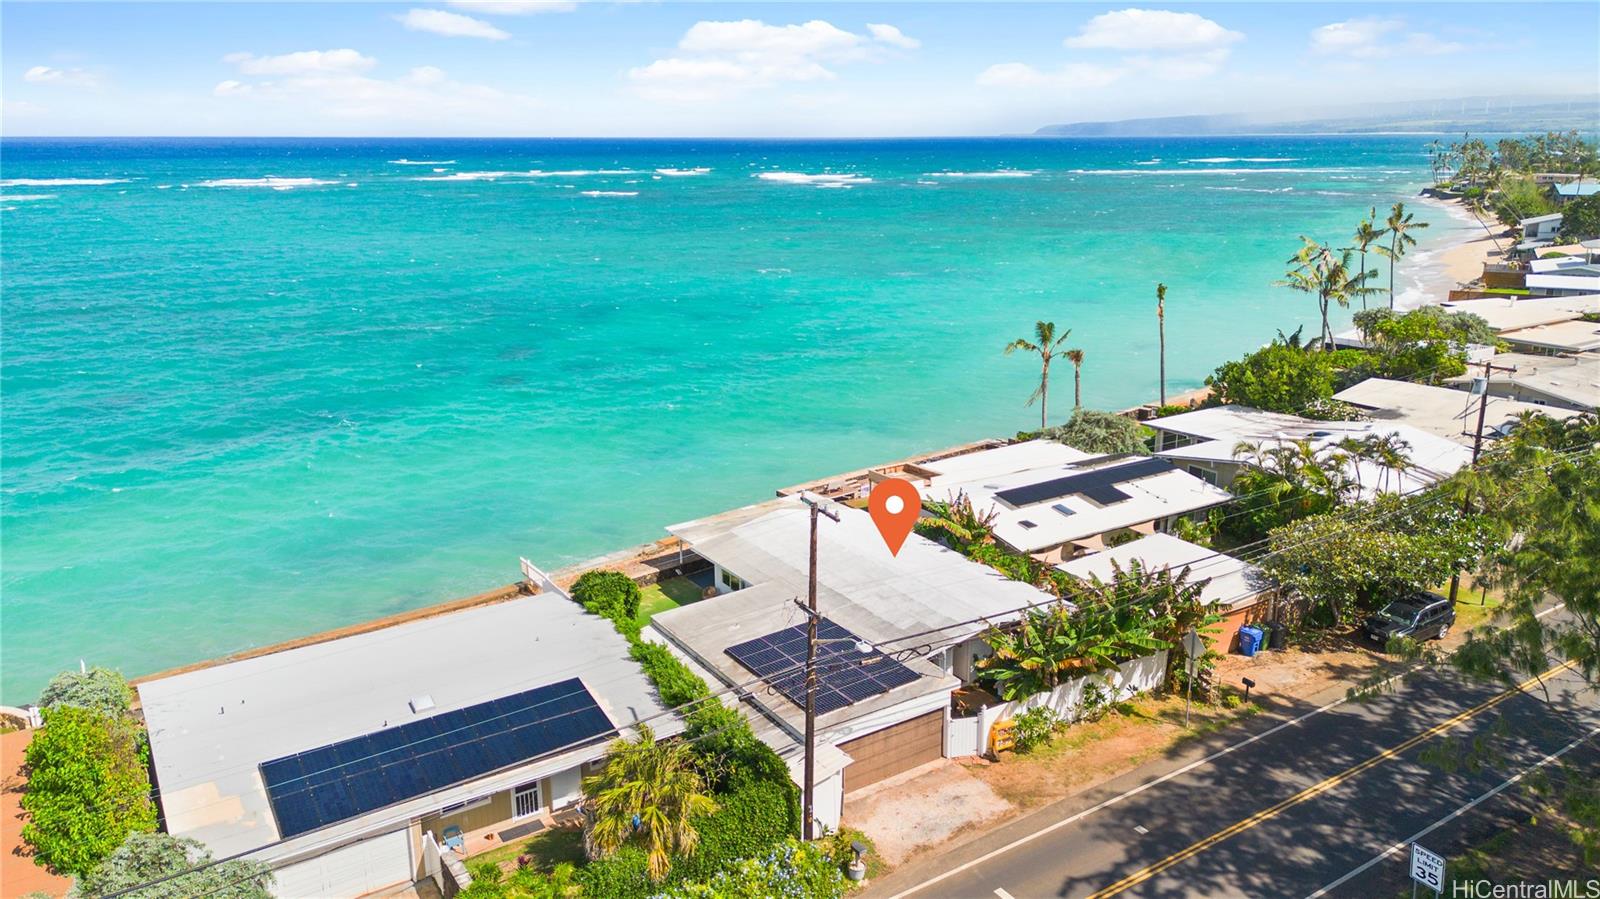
[1290, 812]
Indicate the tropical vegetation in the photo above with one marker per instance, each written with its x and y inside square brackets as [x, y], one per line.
[1102, 433]
[101, 689]
[162, 866]
[1580, 219]
[88, 788]
[1326, 273]
[1048, 345]
[609, 594]
[1400, 224]
[649, 792]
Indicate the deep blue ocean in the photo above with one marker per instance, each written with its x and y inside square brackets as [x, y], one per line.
[252, 389]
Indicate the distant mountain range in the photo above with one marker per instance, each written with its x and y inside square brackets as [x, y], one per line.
[1482, 114]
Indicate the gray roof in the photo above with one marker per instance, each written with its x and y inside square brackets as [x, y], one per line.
[211, 728]
[1230, 581]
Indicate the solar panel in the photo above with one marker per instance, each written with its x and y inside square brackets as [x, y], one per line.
[844, 675]
[339, 781]
[1098, 485]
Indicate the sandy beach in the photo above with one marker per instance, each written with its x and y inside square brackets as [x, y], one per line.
[1437, 271]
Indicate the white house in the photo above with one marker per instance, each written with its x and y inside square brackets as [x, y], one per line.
[1205, 441]
[1055, 512]
[1569, 337]
[346, 763]
[1511, 313]
[1540, 227]
[1448, 412]
[877, 715]
[1549, 382]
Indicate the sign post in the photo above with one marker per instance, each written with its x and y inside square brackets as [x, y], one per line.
[1193, 646]
[1426, 869]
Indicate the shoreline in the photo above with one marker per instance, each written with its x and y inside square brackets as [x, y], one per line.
[1454, 263]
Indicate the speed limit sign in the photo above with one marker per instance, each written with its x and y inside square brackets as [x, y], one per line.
[1427, 868]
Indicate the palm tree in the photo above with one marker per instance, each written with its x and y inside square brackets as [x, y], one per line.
[1399, 223]
[1366, 236]
[1076, 358]
[1161, 331]
[649, 792]
[1326, 274]
[1048, 348]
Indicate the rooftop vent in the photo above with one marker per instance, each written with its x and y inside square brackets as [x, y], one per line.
[421, 704]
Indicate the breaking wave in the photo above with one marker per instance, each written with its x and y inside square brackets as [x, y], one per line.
[608, 193]
[24, 198]
[998, 173]
[1209, 160]
[60, 182]
[678, 173]
[272, 181]
[818, 180]
[404, 161]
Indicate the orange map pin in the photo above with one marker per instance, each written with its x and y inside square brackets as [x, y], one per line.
[894, 505]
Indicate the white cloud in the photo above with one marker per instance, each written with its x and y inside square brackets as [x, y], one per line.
[894, 37]
[304, 62]
[1073, 76]
[449, 24]
[717, 58]
[1375, 38]
[514, 7]
[1151, 29]
[335, 84]
[63, 77]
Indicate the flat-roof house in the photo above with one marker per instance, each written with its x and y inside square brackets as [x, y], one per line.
[1027, 455]
[1204, 442]
[1566, 281]
[1445, 412]
[877, 715]
[1561, 382]
[1512, 313]
[1059, 511]
[1569, 337]
[1572, 190]
[335, 762]
[1238, 590]
[1540, 227]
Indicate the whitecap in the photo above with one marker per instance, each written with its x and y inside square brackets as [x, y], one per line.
[998, 173]
[1211, 160]
[60, 182]
[1265, 171]
[468, 176]
[1255, 190]
[824, 179]
[25, 198]
[404, 161]
[699, 170]
[1156, 161]
[610, 193]
[272, 181]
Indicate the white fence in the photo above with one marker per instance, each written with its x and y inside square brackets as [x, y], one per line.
[969, 736]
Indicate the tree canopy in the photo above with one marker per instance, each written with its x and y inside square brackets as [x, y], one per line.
[1094, 431]
[88, 788]
[1580, 219]
[1278, 378]
[144, 857]
[100, 689]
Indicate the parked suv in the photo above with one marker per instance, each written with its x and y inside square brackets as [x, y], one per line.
[1420, 617]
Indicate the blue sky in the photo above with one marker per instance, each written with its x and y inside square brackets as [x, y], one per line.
[546, 67]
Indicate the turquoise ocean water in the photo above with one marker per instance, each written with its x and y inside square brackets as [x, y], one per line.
[255, 389]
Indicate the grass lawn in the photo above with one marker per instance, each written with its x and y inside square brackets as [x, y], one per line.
[666, 594]
[548, 849]
[1474, 607]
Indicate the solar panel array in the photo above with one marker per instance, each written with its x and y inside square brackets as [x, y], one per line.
[845, 676]
[1099, 485]
[343, 780]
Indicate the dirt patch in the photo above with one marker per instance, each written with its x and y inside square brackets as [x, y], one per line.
[923, 807]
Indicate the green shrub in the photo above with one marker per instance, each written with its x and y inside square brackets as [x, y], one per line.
[1013, 565]
[609, 594]
[673, 680]
[100, 689]
[793, 870]
[1035, 727]
[1277, 378]
[88, 788]
[625, 874]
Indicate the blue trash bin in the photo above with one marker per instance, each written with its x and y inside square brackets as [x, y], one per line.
[1249, 640]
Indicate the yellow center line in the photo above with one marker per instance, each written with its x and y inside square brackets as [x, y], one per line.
[1316, 789]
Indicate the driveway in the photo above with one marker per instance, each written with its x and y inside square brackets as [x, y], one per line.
[921, 807]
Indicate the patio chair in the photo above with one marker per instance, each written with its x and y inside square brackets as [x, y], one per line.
[454, 840]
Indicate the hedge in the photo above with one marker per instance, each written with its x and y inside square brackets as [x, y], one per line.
[609, 594]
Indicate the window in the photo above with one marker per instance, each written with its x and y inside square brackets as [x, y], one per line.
[732, 581]
[1204, 474]
[457, 807]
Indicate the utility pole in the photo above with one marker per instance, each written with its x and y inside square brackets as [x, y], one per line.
[1477, 446]
[808, 796]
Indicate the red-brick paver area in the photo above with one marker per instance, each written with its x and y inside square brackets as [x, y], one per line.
[19, 876]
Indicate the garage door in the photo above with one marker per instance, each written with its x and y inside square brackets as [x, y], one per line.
[892, 750]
